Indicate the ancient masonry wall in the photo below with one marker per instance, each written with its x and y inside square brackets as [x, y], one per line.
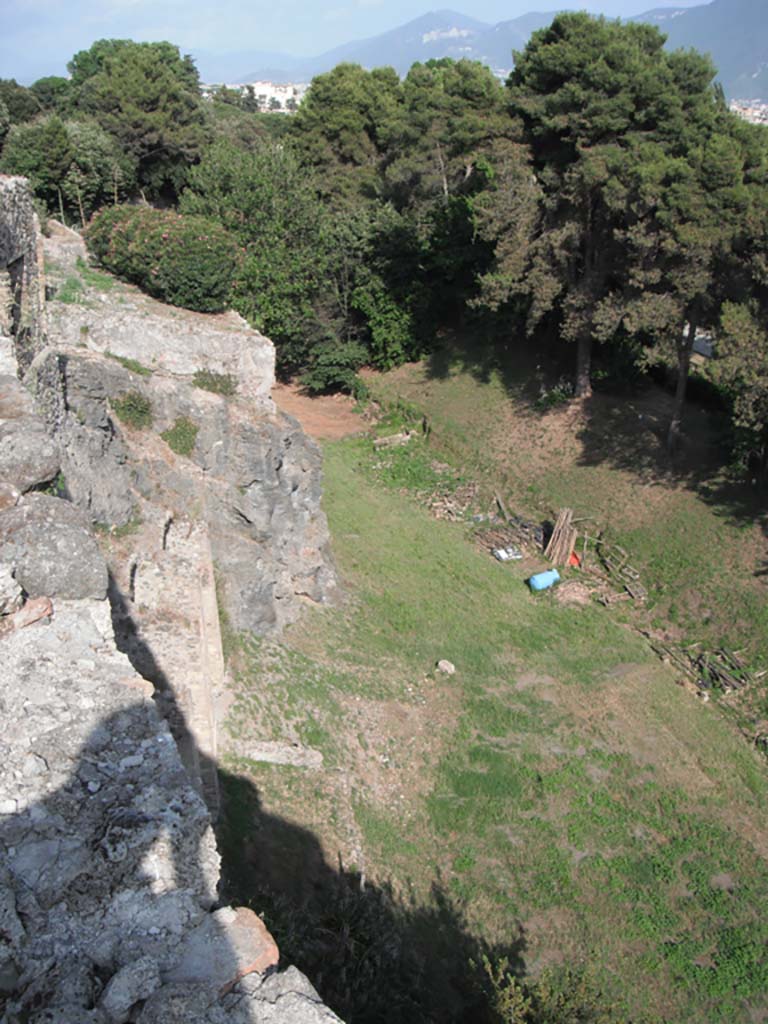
[22, 289]
[108, 864]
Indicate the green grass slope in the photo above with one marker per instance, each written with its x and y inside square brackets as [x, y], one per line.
[558, 783]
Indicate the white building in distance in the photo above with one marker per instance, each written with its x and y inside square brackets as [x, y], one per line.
[270, 97]
[755, 111]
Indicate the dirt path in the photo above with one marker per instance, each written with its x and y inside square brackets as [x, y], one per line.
[326, 417]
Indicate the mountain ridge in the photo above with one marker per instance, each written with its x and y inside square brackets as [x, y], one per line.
[734, 32]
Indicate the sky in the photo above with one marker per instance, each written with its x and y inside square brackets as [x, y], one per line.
[38, 37]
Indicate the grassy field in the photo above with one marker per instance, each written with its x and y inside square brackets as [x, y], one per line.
[559, 798]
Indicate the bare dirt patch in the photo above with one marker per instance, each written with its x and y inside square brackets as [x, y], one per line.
[324, 417]
[395, 745]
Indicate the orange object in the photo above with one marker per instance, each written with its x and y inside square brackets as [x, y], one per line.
[574, 560]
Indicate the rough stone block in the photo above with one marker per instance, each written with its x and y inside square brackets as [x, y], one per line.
[224, 948]
[49, 542]
[11, 598]
[135, 982]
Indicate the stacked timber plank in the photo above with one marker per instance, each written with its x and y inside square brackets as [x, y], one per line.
[563, 539]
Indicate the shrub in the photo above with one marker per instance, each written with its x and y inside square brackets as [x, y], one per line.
[334, 365]
[134, 410]
[186, 261]
[218, 383]
[182, 436]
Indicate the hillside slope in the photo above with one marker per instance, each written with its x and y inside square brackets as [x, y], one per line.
[558, 800]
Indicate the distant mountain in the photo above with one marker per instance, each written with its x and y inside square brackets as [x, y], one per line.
[442, 33]
[735, 32]
[437, 34]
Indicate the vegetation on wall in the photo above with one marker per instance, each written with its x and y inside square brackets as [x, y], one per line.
[184, 260]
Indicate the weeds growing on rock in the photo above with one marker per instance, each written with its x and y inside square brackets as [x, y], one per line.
[134, 410]
[182, 436]
[130, 364]
[218, 383]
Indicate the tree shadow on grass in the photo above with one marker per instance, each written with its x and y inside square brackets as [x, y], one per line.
[375, 955]
[520, 365]
[624, 424]
[87, 857]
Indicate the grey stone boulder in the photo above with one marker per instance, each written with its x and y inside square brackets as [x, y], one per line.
[49, 542]
[68, 1015]
[28, 457]
[9, 495]
[285, 998]
[184, 1004]
[132, 984]
[72, 395]
[11, 598]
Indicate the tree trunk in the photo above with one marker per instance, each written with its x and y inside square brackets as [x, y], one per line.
[583, 366]
[684, 349]
[61, 208]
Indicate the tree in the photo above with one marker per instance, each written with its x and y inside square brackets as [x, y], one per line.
[41, 151]
[741, 335]
[99, 171]
[268, 202]
[687, 216]
[344, 129]
[5, 122]
[70, 164]
[741, 367]
[436, 161]
[589, 92]
[53, 93]
[87, 63]
[146, 95]
[452, 112]
[21, 103]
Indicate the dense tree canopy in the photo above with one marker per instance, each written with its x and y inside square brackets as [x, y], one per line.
[53, 93]
[146, 95]
[73, 165]
[605, 195]
[597, 100]
[345, 127]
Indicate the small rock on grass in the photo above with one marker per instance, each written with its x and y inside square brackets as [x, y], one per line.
[446, 667]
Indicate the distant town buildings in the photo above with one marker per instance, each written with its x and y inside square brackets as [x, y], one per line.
[755, 111]
[269, 97]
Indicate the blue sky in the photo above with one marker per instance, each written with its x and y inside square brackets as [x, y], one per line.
[37, 37]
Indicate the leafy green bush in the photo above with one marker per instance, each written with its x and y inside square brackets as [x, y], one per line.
[334, 365]
[218, 383]
[186, 261]
[559, 394]
[182, 436]
[134, 410]
[564, 997]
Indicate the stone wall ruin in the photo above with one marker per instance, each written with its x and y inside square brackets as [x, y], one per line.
[22, 290]
[109, 871]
